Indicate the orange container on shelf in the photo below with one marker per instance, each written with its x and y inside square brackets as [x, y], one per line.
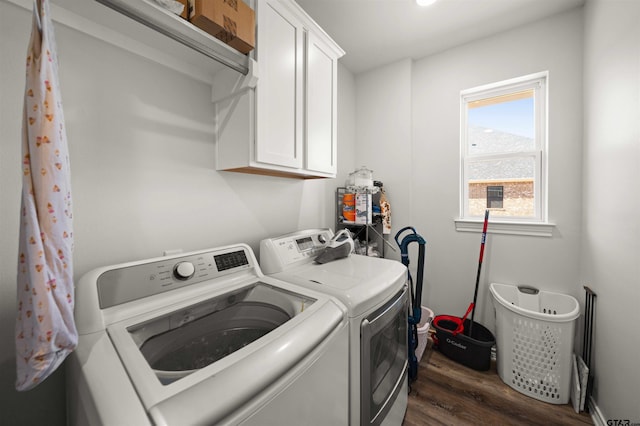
[349, 207]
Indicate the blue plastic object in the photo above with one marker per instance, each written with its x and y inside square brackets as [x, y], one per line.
[415, 310]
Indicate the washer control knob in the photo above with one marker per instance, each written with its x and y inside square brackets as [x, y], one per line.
[184, 270]
[322, 239]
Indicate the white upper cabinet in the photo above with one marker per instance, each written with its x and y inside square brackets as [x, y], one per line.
[285, 125]
[321, 115]
[280, 86]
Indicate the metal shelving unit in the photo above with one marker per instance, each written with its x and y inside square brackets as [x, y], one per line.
[367, 231]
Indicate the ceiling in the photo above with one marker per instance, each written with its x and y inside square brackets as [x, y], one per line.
[378, 32]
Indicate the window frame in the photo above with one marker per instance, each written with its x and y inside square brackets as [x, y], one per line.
[539, 83]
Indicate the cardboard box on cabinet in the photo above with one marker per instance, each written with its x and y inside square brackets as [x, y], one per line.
[185, 12]
[231, 21]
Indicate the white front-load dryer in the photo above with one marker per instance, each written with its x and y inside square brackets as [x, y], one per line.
[375, 293]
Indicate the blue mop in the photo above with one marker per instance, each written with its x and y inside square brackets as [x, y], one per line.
[415, 309]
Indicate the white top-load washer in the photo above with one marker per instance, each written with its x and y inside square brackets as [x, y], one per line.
[205, 338]
[375, 293]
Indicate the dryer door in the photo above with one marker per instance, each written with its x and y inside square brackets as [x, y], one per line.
[383, 363]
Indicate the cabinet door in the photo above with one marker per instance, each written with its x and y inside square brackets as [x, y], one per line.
[279, 91]
[321, 107]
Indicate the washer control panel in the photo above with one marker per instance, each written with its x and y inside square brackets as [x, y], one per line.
[144, 279]
[279, 253]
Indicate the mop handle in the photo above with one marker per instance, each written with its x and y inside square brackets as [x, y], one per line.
[482, 241]
[484, 235]
[460, 327]
[475, 294]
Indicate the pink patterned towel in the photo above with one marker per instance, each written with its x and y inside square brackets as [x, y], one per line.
[45, 327]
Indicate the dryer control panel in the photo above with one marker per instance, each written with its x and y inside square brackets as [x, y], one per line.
[277, 254]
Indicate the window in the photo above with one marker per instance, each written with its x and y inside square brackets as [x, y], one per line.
[495, 196]
[503, 150]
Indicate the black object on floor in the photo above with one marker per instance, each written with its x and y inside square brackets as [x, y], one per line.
[471, 351]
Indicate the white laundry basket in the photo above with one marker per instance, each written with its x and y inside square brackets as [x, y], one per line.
[534, 338]
[426, 316]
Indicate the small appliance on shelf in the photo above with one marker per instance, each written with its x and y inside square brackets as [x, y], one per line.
[360, 180]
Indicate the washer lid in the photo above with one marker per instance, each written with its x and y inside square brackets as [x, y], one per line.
[229, 383]
[360, 282]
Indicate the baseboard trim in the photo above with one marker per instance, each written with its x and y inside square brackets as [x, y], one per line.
[596, 414]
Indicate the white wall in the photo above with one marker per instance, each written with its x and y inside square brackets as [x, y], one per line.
[383, 143]
[347, 125]
[425, 162]
[143, 176]
[611, 228]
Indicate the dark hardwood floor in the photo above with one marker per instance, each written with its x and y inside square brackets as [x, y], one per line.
[448, 393]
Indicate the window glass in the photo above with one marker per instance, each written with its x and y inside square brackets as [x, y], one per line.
[501, 124]
[503, 150]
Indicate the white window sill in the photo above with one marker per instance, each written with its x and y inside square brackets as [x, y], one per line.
[509, 228]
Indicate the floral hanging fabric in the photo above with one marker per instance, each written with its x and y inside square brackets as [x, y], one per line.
[45, 327]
